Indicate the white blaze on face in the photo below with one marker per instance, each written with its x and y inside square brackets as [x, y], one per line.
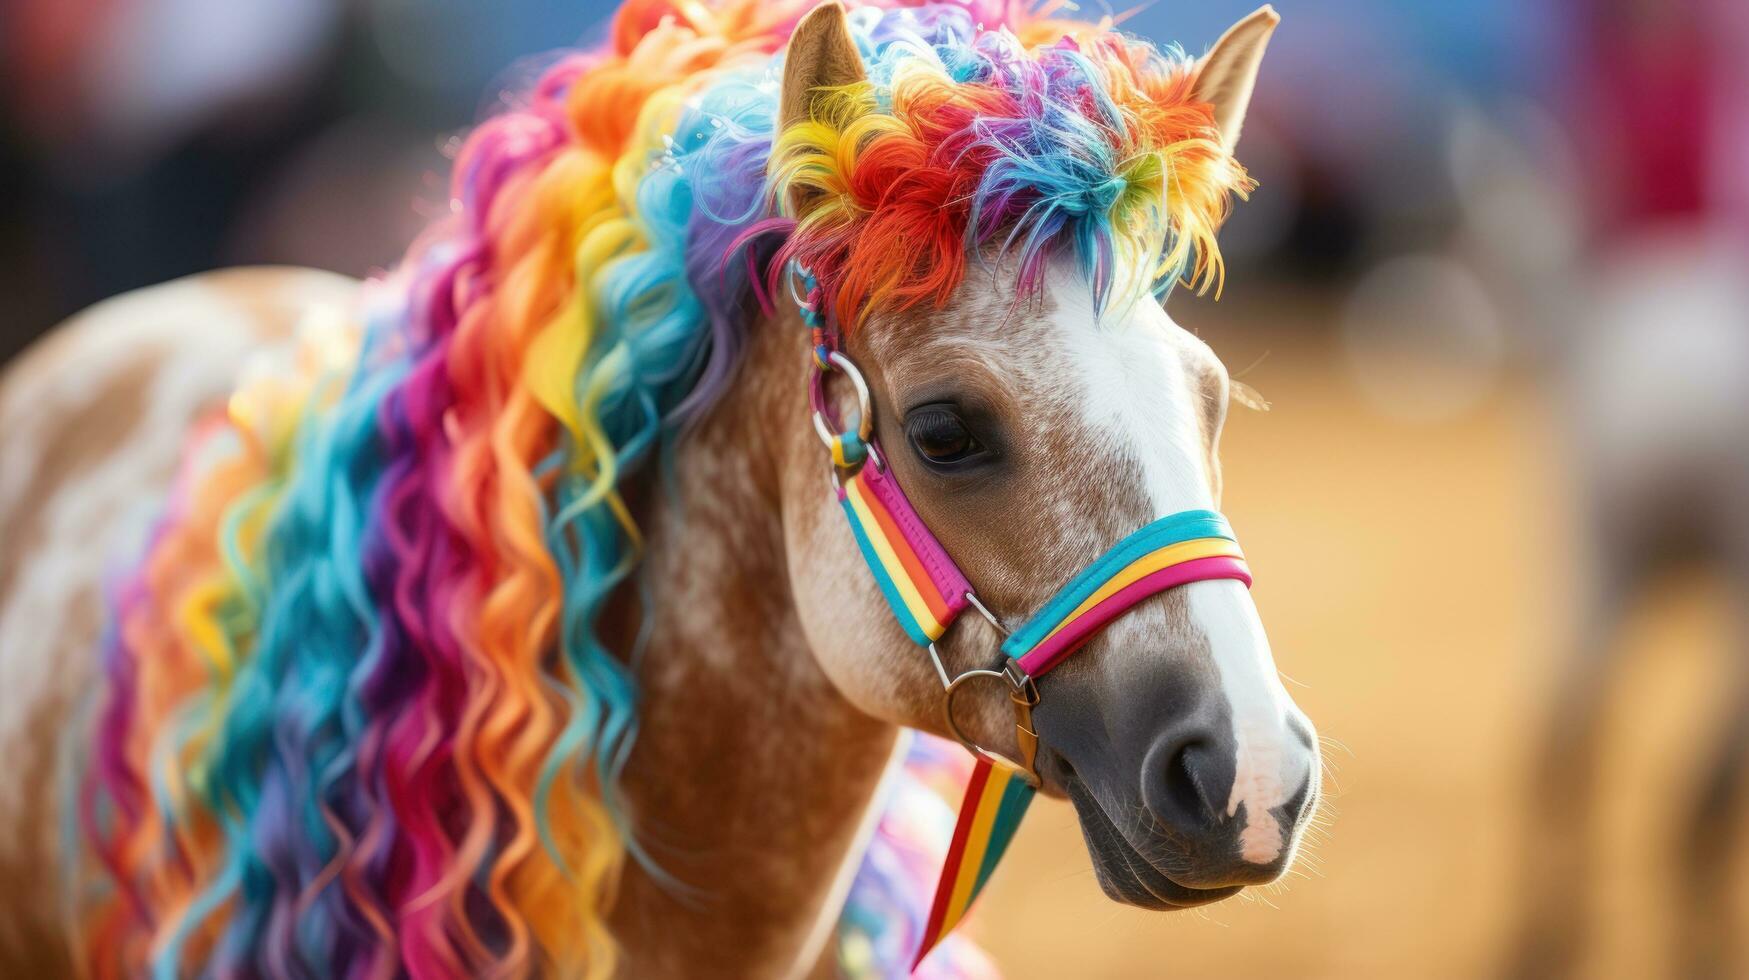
[1265, 773]
[1130, 379]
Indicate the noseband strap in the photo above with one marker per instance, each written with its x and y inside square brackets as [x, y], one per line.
[927, 591]
[1189, 546]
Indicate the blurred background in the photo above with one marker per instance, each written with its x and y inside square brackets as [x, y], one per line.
[1492, 282]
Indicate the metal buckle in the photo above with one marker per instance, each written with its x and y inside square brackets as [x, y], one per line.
[1022, 695]
[990, 617]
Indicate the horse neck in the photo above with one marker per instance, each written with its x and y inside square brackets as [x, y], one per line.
[750, 773]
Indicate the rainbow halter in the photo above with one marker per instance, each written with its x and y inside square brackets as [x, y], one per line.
[927, 592]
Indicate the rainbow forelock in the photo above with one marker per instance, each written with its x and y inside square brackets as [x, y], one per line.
[965, 145]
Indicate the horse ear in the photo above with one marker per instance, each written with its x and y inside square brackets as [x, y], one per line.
[1225, 76]
[821, 55]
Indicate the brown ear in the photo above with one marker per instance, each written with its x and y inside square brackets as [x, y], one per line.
[821, 55]
[1226, 74]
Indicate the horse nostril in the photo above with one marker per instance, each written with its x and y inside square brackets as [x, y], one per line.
[1185, 780]
[1190, 773]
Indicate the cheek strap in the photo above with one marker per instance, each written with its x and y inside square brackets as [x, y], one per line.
[922, 585]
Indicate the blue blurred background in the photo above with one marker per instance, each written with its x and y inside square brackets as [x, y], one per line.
[146, 139]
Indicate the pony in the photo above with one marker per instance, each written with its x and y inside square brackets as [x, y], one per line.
[494, 617]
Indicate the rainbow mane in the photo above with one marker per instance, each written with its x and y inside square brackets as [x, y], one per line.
[358, 719]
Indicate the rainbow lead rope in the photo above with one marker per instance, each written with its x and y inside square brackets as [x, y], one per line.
[996, 799]
[1191, 546]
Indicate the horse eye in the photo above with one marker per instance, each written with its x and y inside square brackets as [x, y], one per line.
[939, 436]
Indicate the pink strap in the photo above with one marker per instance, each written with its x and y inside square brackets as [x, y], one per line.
[945, 576]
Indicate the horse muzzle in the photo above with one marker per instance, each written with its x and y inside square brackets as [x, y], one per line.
[1179, 805]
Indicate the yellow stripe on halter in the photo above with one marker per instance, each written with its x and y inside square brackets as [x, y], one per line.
[1148, 564]
[901, 579]
[977, 842]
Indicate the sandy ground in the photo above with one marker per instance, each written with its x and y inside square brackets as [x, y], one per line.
[1413, 582]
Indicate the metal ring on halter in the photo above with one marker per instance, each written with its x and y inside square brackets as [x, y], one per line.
[797, 270]
[1022, 693]
[864, 404]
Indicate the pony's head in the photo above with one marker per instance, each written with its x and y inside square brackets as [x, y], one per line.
[994, 228]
